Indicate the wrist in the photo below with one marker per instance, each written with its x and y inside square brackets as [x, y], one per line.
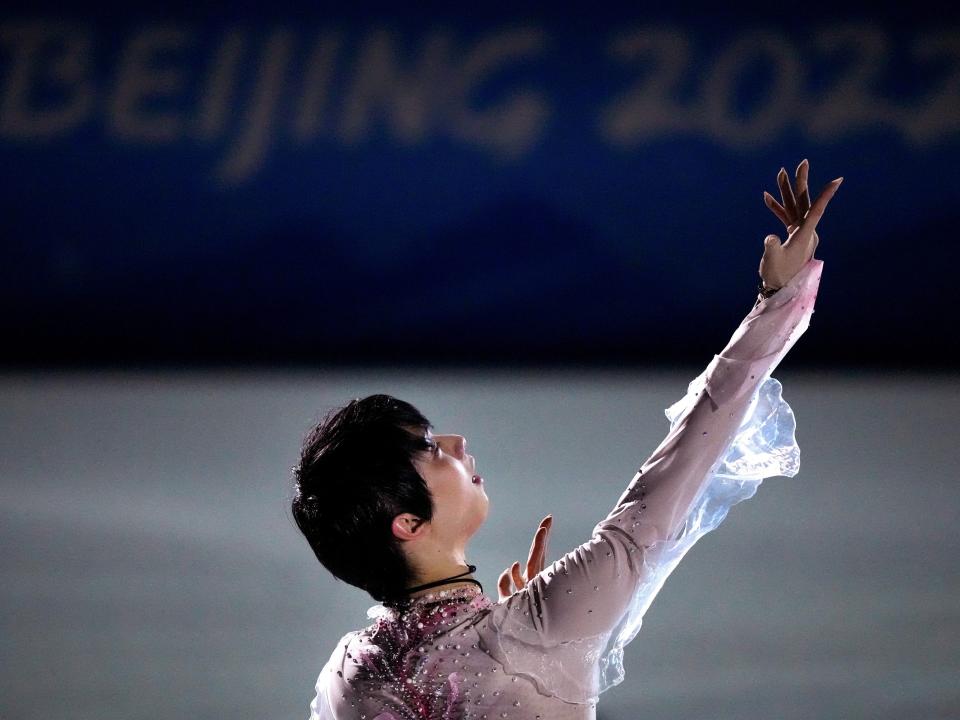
[765, 290]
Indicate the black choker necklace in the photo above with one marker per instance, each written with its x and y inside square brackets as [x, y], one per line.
[472, 569]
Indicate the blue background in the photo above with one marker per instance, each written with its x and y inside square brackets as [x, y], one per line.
[122, 249]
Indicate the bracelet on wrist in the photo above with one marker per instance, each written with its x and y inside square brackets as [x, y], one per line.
[766, 291]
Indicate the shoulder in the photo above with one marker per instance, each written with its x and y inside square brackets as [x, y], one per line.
[352, 657]
[336, 663]
[334, 684]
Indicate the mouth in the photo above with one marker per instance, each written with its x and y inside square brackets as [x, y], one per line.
[477, 479]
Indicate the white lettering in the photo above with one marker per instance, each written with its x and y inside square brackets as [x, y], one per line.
[850, 104]
[247, 155]
[648, 108]
[220, 85]
[410, 99]
[513, 127]
[139, 79]
[719, 90]
[66, 76]
[315, 93]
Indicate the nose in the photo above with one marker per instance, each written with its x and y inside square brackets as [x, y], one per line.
[458, 446]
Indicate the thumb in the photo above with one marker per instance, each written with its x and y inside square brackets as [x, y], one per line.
[771, 241]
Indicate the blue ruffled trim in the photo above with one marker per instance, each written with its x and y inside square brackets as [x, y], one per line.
[764, 446]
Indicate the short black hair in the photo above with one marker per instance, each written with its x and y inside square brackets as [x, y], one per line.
[355, 475]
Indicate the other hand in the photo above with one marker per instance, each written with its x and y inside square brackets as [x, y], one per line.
[538, 551]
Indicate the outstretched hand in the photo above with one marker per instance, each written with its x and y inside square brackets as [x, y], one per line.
[780, 262]
[538, 551]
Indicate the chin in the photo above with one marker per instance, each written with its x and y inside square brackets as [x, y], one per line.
[479, 519]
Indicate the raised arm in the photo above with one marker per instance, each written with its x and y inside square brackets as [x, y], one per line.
[584, 592]
[556, 628]
[661, 493]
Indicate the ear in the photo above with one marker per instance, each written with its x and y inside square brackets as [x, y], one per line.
[408, 526]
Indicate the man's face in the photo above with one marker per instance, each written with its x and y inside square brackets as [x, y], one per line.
[460, 503]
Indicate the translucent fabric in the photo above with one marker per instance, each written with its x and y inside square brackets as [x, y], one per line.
[578, 669]
[551, 648]
[765, 446]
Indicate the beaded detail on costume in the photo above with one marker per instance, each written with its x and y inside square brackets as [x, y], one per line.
[398, 651]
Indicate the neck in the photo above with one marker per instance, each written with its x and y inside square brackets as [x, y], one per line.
[460, 569]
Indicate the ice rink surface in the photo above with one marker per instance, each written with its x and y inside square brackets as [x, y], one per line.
[150, 569]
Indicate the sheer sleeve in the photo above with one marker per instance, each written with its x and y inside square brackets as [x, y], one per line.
[566, 629]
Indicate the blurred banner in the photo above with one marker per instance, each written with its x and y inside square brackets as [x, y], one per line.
[189, 184]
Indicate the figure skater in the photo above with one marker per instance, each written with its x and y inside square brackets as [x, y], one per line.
[389, 506]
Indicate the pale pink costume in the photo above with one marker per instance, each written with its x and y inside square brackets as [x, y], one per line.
[550, 649]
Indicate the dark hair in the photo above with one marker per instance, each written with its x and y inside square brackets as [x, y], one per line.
[356, 474]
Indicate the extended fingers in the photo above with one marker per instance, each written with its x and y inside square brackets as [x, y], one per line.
[803, 192]
[535, 558]
[776, 208]
[512, 573]
[536, 553]
[538, 547]
[786, 192]
[816, 211]
[515, 573]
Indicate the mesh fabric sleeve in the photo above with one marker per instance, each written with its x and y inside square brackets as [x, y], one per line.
[566, 629]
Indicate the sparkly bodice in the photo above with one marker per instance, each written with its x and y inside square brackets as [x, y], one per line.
[550, 649]
[411, 648]
[428, 661]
